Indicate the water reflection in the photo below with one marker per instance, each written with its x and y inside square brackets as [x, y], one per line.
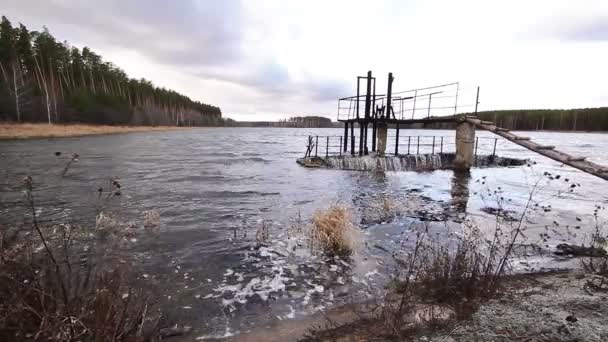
[460, 190]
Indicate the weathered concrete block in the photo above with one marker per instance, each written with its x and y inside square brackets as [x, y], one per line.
[465, 144]
[381, 133]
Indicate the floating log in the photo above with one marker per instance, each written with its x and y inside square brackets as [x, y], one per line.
[521, 138]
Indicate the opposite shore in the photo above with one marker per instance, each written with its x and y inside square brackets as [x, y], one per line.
[43, 130]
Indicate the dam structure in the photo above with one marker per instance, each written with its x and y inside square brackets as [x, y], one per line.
[367, 145]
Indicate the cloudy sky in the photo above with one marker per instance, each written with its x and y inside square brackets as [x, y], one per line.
[265, 60]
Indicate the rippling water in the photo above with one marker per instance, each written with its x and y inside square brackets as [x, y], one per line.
[214, 187]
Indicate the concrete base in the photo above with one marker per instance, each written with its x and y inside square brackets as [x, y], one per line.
[465, 144]
[381, 133]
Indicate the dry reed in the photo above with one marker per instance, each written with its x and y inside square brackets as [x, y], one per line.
[333, 229]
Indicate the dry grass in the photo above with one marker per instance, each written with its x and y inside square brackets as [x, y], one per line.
[597, 263]
[333, 229]
[262, 234]
[40, 130]
[63, 282]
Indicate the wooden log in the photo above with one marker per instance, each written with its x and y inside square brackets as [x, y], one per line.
[576, 162]
[546, 147]
[577, 158]
[517, 137]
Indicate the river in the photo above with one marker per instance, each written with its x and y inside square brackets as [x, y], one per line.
[214, 187]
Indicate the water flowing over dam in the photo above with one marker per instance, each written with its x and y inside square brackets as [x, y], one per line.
[420, 162]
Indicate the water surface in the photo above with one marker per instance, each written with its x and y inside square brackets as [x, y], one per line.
[214, 187]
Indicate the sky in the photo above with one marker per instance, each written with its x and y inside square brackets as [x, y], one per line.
[268, 60]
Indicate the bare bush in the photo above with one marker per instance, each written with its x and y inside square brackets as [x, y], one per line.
[597, 263]
[63, 282]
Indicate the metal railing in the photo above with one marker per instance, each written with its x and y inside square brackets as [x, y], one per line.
[334, 145]
[438, 101]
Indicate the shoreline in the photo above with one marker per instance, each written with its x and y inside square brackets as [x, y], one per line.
[22, 131]
[541, 306]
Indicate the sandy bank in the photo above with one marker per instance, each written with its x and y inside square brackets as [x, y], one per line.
[40, 130]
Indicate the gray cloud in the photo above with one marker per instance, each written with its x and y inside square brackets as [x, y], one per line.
[173, 32]
[593, 30]
[582, 29]
[204, 38]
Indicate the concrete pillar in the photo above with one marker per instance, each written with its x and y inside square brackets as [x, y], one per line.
[381, 128]
[465, 144]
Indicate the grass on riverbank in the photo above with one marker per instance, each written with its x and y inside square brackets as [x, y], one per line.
[40, 130]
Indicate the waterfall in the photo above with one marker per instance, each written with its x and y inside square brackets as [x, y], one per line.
[420, 162]
[389, 163]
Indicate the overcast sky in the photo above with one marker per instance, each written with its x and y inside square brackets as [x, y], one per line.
[265, 60]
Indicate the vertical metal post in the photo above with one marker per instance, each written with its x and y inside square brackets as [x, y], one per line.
[365, 140]
[428, 113]
[352, 138]
[341, 145]
[441, 146]
[476, 146]
[316, 145]
[357, 103]
[418, 146]
[345, 136]
[368, 103]
[361, 136]
[327, 147]
[494, 150]
[409, 139]
[374, 95]
[397, 140]
[374, 134]
[389, 94]
[374, 127]
[433, 148]
[368, 95]
[477, 100]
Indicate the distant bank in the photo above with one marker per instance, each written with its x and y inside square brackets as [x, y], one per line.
[581, 120]
[293, 122]
[39, 130]
[565, 120]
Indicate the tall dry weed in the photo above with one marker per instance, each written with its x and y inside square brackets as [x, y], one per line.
[333, 230]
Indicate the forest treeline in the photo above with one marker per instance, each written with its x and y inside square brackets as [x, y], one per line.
[44, 80]
[294, 122]
[583, 119]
